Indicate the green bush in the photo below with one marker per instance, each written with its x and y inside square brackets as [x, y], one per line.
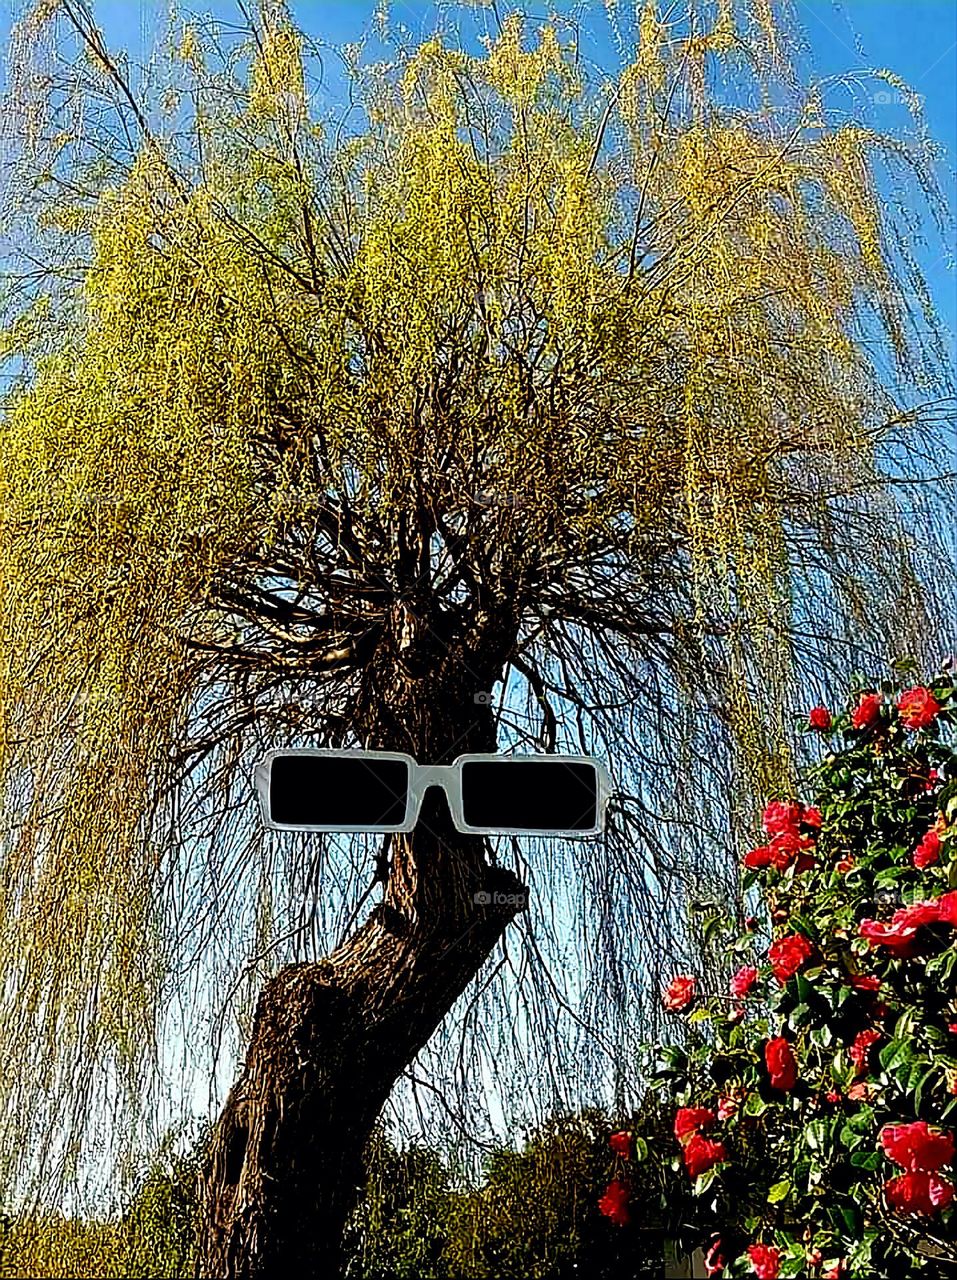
[815, 1099]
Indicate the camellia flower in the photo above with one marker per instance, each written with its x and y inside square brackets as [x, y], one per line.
[679, 993]
[865, 982]
[947, 908]
[781, 1064]
[832, 1096]
[784, 849]
[620, 1143]
[714, 1261]
[867, 712]
[758, 858]
[614, 1203]
[820, 719]
[765, 1261]
[899, 936]
[743, 980]
[688, 1121]
[701, 1154]
[788, 954]
[861, 1048]
[928, 851]
[916, 1146]
[781, 816]
[919, 1192]
[917, 707]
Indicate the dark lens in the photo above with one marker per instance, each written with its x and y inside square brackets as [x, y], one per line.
[341, 792]
[535, 795]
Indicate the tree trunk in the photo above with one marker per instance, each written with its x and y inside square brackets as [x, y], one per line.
[330, 1039]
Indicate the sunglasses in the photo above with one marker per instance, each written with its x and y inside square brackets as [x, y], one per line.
[316, 789]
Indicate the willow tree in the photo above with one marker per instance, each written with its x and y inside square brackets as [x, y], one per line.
[599, 392]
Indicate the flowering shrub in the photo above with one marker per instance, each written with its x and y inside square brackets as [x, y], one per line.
[825, 1073]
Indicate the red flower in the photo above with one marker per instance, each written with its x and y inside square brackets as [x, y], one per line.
[861, 1048]
[947, 908]
[835, 1272]
[679, 993]
[701, 1154]
[916, 1146]
[812, 817]
[860, 1091]
[917, 707]
[620, 1143]
[781, 1064]
[743, 980]
[820, 718]
[928, 851]
[781, 816]
[758, 858]
[832, 1095]
[614, 1203]
[900, 934]
[865, 982]
[920, 913]
[845, 865]
[919, 1192]
[765, 1261]
[714, 1262]
[787, 955]
[689, 1120]
[784, 848]
[867, 711]
[933, 778]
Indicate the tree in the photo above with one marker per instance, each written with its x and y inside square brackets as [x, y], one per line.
[315, 437]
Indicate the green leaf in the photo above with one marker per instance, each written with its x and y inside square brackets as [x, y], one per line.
[848, 1138]
[815, 1135]
[780, 1191]
[641, 1150]
[919, 1091]
[894, 1053]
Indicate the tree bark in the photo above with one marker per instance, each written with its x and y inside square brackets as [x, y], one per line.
[330, 1039]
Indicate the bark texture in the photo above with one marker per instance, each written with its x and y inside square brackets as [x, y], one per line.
[331, 1038]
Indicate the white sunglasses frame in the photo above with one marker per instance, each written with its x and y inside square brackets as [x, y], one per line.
[423, 776]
